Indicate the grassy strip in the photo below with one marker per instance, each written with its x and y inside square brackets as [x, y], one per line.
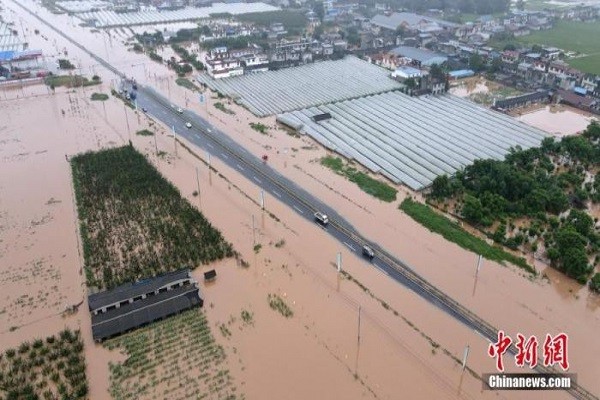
[186, 83]
[145, 132]
[375, 188]
[99, 97]
[262, 128]
[134, 223]
[424, 215]
[221, 106]
[69, 81]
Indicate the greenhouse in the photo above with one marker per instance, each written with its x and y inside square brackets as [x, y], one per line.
[107, 19]
[309, 85]
[412, 140]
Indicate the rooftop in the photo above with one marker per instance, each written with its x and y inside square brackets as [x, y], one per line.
[412, 140]
[405, 18]
[132, 290]
[294, 88]
[110, 18]
[424, 56]
[140, 313]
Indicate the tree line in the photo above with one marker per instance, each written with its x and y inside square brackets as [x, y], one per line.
[550, 187]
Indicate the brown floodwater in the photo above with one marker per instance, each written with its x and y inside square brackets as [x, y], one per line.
[558, 120]
[314, 353]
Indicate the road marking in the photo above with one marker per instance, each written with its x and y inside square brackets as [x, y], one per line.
[240, 167]
[348, 244]
[224, 155]
[210, 145]
[208, 129]
[257, 180]
[276, 194]
[299, 210]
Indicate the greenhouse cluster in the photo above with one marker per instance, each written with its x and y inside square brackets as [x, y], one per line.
[107, 19]
[412, 140]
[309, 85]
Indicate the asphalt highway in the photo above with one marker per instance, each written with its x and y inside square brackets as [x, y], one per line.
[220, 145]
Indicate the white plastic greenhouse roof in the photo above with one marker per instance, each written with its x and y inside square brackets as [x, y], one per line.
[106, 19]
[412, 140]
[295, 88]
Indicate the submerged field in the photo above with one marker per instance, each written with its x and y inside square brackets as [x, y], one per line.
[49, 368]
[177, 358]
[134, 223]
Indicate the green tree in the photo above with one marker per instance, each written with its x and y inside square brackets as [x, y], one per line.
[476, 63]
[472, 209]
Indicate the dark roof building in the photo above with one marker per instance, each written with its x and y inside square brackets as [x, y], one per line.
[421, 56]
[133, 305]
[523, 100]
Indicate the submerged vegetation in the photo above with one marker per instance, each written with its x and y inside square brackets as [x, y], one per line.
[53, 368]
[135, 224]
[451, 231]
[69, 81]
[221, 106]
[99, 97]
[277, 304]
[540, 197]
[262, 128]
[145, 132]
[176, 358]
[367, 184]
[186, 83]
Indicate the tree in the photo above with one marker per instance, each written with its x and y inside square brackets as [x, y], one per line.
[520, 5]
[595, 282]
[581, 222]
[476, 63]
[472, 209]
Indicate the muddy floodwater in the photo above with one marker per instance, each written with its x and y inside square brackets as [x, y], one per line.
[407, 346]
[557, 119]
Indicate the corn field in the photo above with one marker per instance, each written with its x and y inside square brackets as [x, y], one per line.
[175, 359]
[45, 369]
[134, 224]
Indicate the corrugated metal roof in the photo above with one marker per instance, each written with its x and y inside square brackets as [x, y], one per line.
[424, 56]
[107, 18]
[308, 85]
[131, 290]
[412, 140]
[140, 313]
[396, 19]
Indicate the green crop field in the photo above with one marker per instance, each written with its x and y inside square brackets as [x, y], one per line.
[572, 36]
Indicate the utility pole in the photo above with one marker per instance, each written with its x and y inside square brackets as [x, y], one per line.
[339, 262]
[155, 144]
[253, 231]
[479, 262]
[198, 183]
[127, 121]
[359, 310]
[175, 139]
[465, 355]
[262, 199]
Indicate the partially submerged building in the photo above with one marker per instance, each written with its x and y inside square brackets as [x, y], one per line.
[133, 305]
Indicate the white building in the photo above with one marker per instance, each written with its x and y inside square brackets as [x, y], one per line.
[219, 64]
